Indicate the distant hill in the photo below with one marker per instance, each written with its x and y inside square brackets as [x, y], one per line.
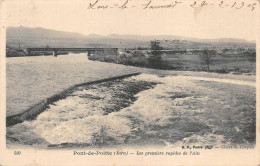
[40, 37]
[24, 32]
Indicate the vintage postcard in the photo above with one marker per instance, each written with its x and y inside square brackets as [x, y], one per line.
[129, 82]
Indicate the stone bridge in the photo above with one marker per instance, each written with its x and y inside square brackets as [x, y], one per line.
[88, 50]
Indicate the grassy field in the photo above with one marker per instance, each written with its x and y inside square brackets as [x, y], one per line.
[237, 64]
[221, 63]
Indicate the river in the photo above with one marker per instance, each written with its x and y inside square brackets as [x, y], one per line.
[156, 108]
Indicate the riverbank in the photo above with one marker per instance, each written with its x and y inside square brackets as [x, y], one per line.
[220, 63]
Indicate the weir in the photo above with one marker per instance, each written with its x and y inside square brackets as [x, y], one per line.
[36, 109]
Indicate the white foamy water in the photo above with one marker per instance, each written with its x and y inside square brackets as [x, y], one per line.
[32, 79]
[223, 80]
[179, 110]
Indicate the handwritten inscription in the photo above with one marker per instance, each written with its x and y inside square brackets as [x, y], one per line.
[168, 4]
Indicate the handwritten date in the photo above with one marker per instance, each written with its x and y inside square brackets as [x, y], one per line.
[152, 4]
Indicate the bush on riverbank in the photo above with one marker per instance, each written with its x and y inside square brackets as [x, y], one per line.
[133, 59]
[12, 52]
[137, 58]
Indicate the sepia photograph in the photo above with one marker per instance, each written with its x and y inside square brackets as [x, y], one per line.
[131, 78]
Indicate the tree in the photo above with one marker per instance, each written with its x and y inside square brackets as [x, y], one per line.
[155, 60]
[138, 54]
[208, 57]
[252, 57]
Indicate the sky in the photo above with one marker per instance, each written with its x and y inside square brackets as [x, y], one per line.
[210, 21]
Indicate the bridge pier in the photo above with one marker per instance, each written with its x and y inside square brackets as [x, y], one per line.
[55, 53]
[92, 51]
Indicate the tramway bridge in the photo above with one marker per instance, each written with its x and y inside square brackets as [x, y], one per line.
[88, 50]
